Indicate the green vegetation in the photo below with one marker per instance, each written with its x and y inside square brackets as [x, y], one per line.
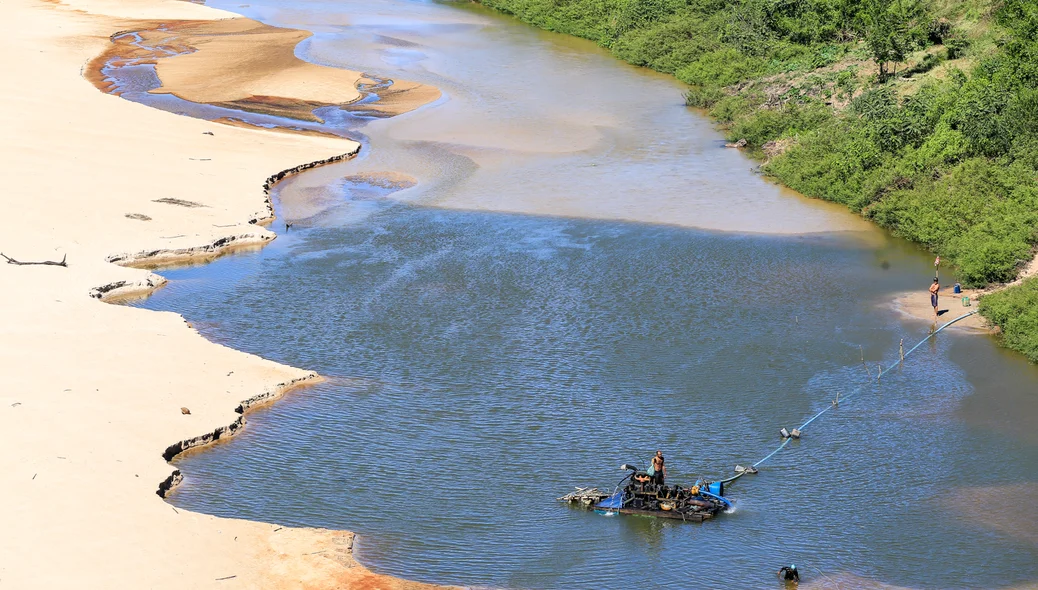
[921, 115]
[1015, 311]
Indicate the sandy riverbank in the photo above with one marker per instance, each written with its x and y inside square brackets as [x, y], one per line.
[92, 393]
[249, 66]
[916, 304]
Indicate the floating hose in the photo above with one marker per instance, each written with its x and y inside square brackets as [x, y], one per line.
[835, 403]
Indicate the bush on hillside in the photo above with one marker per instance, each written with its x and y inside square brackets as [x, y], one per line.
[1015, 311]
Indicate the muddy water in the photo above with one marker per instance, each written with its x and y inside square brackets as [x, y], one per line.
[530, 122]
[499, 323]
[535, 123]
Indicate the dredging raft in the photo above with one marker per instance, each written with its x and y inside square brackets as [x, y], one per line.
[637, 494]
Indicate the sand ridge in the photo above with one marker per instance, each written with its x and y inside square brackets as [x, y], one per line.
[249, 66]
[92, 393]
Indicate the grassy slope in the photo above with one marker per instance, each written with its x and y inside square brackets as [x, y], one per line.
[943, 153]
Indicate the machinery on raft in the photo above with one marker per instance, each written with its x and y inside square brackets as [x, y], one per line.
[637, 494]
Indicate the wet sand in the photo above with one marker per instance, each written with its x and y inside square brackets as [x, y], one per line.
[915, 306]
[249, 66]
[94, 395]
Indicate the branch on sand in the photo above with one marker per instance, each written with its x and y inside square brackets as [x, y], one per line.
[47, 262]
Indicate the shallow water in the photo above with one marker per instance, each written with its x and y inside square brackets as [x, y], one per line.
[482, 363]
[539, 123]
[530, 122]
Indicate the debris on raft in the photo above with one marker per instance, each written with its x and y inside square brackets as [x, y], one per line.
[637, 494]
[584, 496]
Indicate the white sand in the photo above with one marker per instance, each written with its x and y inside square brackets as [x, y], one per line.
[92, 393]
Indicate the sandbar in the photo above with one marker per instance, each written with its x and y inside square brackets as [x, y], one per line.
[249, 66]
[93, 394]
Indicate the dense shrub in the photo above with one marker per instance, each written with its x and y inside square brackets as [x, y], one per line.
[720, 67]
[703, 97]
[708, 42]
[760, 126]
[979, 215]
[1015, 311]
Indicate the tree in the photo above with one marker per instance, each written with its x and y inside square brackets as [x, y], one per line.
[892, 29]
[748, 27]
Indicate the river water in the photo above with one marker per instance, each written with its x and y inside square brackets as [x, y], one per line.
[566, 273]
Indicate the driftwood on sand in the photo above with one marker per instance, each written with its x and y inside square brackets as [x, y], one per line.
[47, 262]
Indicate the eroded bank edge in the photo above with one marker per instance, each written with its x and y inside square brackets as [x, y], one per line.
[205, 252]
[270, 395]
[222, 245]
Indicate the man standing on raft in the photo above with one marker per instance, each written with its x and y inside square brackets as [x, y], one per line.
[659, 470]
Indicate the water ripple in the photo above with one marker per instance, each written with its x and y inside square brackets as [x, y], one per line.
[483, 364]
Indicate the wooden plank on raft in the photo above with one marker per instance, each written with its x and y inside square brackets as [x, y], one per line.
[694, 517]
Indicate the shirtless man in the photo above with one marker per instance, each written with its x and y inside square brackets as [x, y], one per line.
[934, 288]
[659, 469]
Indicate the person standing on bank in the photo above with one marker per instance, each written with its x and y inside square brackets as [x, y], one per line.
[934, 288]
[659, 469]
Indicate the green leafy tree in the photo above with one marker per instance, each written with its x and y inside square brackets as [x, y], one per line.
[893, 28]
[748, 27]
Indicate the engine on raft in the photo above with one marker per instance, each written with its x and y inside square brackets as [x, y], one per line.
[637, 494]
